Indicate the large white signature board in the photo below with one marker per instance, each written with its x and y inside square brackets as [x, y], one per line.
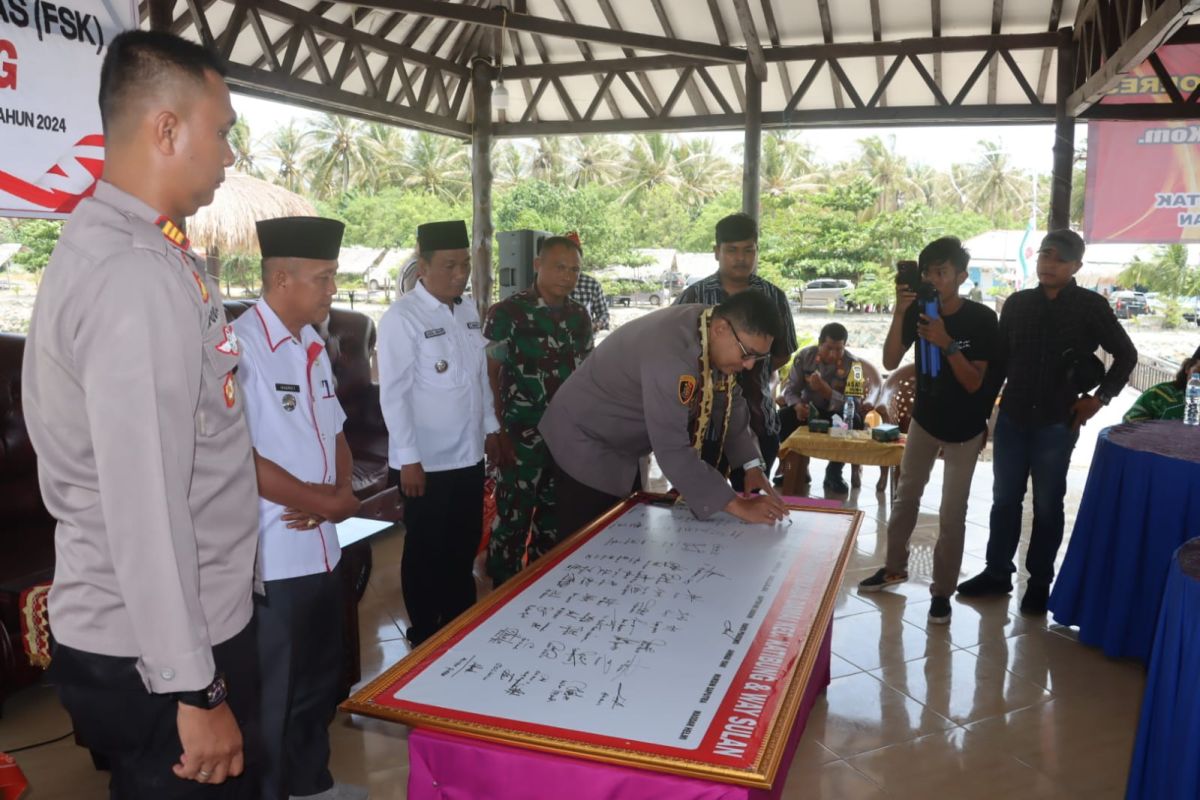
[659, 632]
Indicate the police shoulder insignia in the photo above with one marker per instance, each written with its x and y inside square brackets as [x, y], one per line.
[202, 286]
[172, 232]
[687, 389]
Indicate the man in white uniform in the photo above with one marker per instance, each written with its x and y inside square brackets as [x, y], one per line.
[438, 408]
[303, 466]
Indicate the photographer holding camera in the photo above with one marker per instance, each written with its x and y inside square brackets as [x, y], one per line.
[950, 413]
[1048, 339]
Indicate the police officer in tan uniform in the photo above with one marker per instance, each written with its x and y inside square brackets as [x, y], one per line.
[134, 409]
[661, 383]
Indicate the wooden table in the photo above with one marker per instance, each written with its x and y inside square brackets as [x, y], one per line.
[851, 447]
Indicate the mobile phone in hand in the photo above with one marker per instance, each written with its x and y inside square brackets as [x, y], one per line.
[908, 274]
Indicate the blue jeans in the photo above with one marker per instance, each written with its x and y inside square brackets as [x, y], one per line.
[1045, 453]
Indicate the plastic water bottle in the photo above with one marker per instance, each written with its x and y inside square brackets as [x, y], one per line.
[848, 411]
[1191, 405]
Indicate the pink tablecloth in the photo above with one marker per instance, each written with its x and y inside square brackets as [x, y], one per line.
[444, 766]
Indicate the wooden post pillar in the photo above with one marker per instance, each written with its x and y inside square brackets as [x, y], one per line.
[161, 12]
[481, 184]
[753, 149]
[1064, 137]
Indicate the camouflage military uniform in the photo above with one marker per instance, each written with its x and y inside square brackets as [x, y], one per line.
[538, 347]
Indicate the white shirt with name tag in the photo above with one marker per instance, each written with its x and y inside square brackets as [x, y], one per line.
[294, 418]
[433, 383]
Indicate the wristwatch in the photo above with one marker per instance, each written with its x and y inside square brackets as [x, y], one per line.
[754, 463]
[209, 697]
[952, 348]
[1102, 397]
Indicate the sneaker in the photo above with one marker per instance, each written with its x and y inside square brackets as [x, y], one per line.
[985, 585]
[939, 610]
[1034, 600]
[835, 485]
[881, 580]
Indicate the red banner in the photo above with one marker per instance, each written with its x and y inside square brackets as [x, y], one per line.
[1143, 178]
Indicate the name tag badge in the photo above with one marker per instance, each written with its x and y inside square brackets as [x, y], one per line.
[429, 334]
[287, 387]
[473, 326]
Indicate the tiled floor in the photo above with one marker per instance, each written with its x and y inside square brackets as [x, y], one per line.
[994, 705]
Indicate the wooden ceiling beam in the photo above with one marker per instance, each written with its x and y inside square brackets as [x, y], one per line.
[754, 49]
[695, 96]
[827, 36]
[739, 90]
[994, 67]
[773, 32]
[541, 26]
[1158, 28]
[877, 36]
[1004, 114]
[585, 50]
[281, 88]
[610, 16]
[1048, 53]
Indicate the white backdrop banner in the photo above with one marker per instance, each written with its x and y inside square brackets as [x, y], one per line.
[51, 140]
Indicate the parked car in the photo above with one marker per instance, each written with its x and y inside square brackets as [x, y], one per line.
[1129, 304]
[821, 292]
[1191, 308]
[654, 298]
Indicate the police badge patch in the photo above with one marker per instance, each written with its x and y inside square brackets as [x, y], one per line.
[289, 402]
[687, 389]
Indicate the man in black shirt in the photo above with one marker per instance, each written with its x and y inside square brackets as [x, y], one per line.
[736, 253]
[949, 415]
[1048, 337]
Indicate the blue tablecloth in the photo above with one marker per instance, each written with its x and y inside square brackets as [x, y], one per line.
[1138, 507]
[1165, 765]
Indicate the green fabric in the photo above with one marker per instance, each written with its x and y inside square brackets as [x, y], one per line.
[539, 347]
[1164, 401]
[526, 527]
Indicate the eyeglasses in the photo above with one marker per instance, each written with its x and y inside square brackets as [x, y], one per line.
[747, 355]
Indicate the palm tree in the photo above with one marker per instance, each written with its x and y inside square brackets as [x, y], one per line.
[593, 159]
[509, 165]
[650, 161]
[787, 165]
[549, 159]
[993, 186]
[287, 147]
[386, 167]
[702, 172]
[437, 165]
[245, 159]
[339, 154]
[888, 171]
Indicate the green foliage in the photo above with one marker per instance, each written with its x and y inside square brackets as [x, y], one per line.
[1172, 314]
[38, 237]
[615, 287]
[243, 270]
[390, 218]
[1167, 272]
[877, 288]
[661, 220]
[594, 211]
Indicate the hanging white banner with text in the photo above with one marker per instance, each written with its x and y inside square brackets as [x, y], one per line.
[51, 139]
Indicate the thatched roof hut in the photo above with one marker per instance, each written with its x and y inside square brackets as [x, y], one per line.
[226, 225]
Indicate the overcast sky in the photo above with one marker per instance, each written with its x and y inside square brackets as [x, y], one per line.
[1029, 145]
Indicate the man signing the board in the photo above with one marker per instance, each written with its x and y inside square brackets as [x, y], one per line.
[659, 384]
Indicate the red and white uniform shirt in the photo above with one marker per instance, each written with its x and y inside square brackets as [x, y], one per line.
[294, 418]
